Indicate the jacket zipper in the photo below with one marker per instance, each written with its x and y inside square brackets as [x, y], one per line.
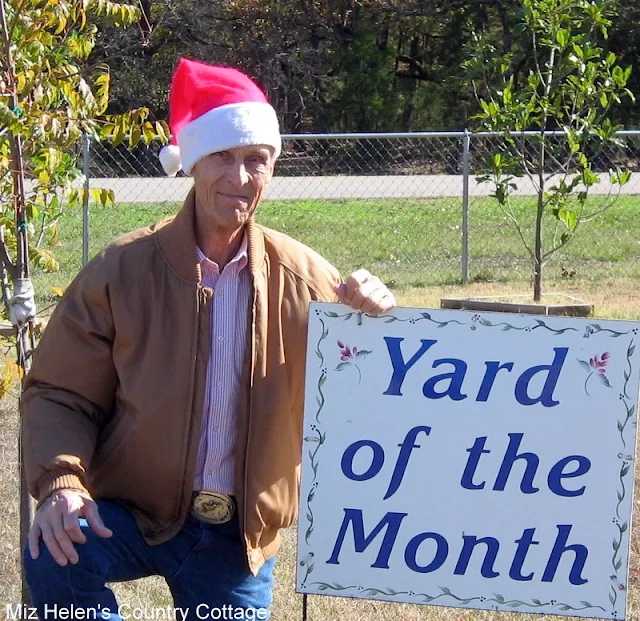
[249, 409]
[201, 300]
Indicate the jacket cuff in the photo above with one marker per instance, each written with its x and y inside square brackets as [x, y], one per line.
[53, 481]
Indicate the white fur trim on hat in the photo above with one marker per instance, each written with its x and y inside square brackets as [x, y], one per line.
[228, 126]
[170, 159]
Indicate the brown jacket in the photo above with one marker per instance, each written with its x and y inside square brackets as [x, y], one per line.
[113, 403]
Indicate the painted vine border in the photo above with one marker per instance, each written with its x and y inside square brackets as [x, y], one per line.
[318, 437]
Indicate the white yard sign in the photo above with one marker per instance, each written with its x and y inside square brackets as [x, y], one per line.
[472, 460]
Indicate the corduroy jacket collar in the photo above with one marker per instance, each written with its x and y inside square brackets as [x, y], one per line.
[177, 241]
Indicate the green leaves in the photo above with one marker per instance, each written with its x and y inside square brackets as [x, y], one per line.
[572, 84]
[59, 96]
[569, 217]
[562, 37]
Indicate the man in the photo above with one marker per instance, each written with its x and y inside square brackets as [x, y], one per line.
[162, 415]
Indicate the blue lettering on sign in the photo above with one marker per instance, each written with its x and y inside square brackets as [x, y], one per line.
[392, 521]
[554, 479]
[406, 449]
[376, 463]
[524, 543]
[411, 551]
[557, 473]
[450, 384]
[470, 542]
[553, 373]
[455, 378]
[400, 367]
[559, 548]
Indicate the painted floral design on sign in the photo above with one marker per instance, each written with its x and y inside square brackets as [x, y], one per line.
[597, 366]
[349, 357]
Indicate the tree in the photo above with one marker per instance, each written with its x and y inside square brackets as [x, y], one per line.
[49, 97]
[556, 78]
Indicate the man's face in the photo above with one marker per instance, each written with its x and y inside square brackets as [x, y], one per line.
[230, 185]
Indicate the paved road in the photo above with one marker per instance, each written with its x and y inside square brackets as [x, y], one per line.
[154, 190]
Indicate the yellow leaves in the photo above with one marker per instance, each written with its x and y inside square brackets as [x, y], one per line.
[103, 196]
[52, 158]
[10, 373]
[58, 291]
[163, 131]
[119, 132]
[120, 14]
[148, 133]
[21, 82]
[80, 45]
[62, 24]
[74, 47]
[55, 126]
[133, 127]
[54, 238]
[87, 97]
[134, 136]
[44, 259]
[103, 83]
[51, 40]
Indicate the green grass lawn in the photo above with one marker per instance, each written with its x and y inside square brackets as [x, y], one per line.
[415, 247]
[408, 243]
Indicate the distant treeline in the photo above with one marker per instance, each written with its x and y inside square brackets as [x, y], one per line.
[339, 65]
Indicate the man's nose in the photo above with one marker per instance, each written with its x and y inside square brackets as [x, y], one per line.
[237, 172]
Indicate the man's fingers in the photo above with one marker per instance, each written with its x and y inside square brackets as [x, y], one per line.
[94, 520]
[371, 303]
[387, 302]
[51, 542]
[34, 540]
[355, 283]
[365, 293]
[72, 527]
[64, 541]
[369, 290]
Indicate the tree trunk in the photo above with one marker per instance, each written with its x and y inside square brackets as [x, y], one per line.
[537, 259]
[19, 270]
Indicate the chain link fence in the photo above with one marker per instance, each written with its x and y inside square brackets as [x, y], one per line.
[406, 206]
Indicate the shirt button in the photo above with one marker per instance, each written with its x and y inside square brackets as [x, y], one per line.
[221, 338]
[215, 427]
[219, 384]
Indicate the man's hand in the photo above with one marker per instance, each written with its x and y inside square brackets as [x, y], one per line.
[365, 293]
[58, 522]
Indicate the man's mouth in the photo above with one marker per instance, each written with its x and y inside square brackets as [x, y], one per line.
[233, 197]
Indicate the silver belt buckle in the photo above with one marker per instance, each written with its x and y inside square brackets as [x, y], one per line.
[212, 507]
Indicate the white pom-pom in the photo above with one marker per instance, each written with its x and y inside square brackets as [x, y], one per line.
[170, 159]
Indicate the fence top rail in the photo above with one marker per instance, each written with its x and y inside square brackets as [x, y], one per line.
[436, 134]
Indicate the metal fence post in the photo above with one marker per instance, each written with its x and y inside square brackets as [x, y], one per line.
[85, 200]
[466, 140]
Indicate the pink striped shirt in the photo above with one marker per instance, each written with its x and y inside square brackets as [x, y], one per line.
[230, 306]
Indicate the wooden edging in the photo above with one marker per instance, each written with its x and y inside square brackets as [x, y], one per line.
[577, 309]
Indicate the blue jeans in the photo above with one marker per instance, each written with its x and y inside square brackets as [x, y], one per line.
[204, 566]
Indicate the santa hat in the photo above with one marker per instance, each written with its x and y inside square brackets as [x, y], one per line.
[212, 109]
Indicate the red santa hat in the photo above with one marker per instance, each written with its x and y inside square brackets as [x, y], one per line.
[212, 109]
